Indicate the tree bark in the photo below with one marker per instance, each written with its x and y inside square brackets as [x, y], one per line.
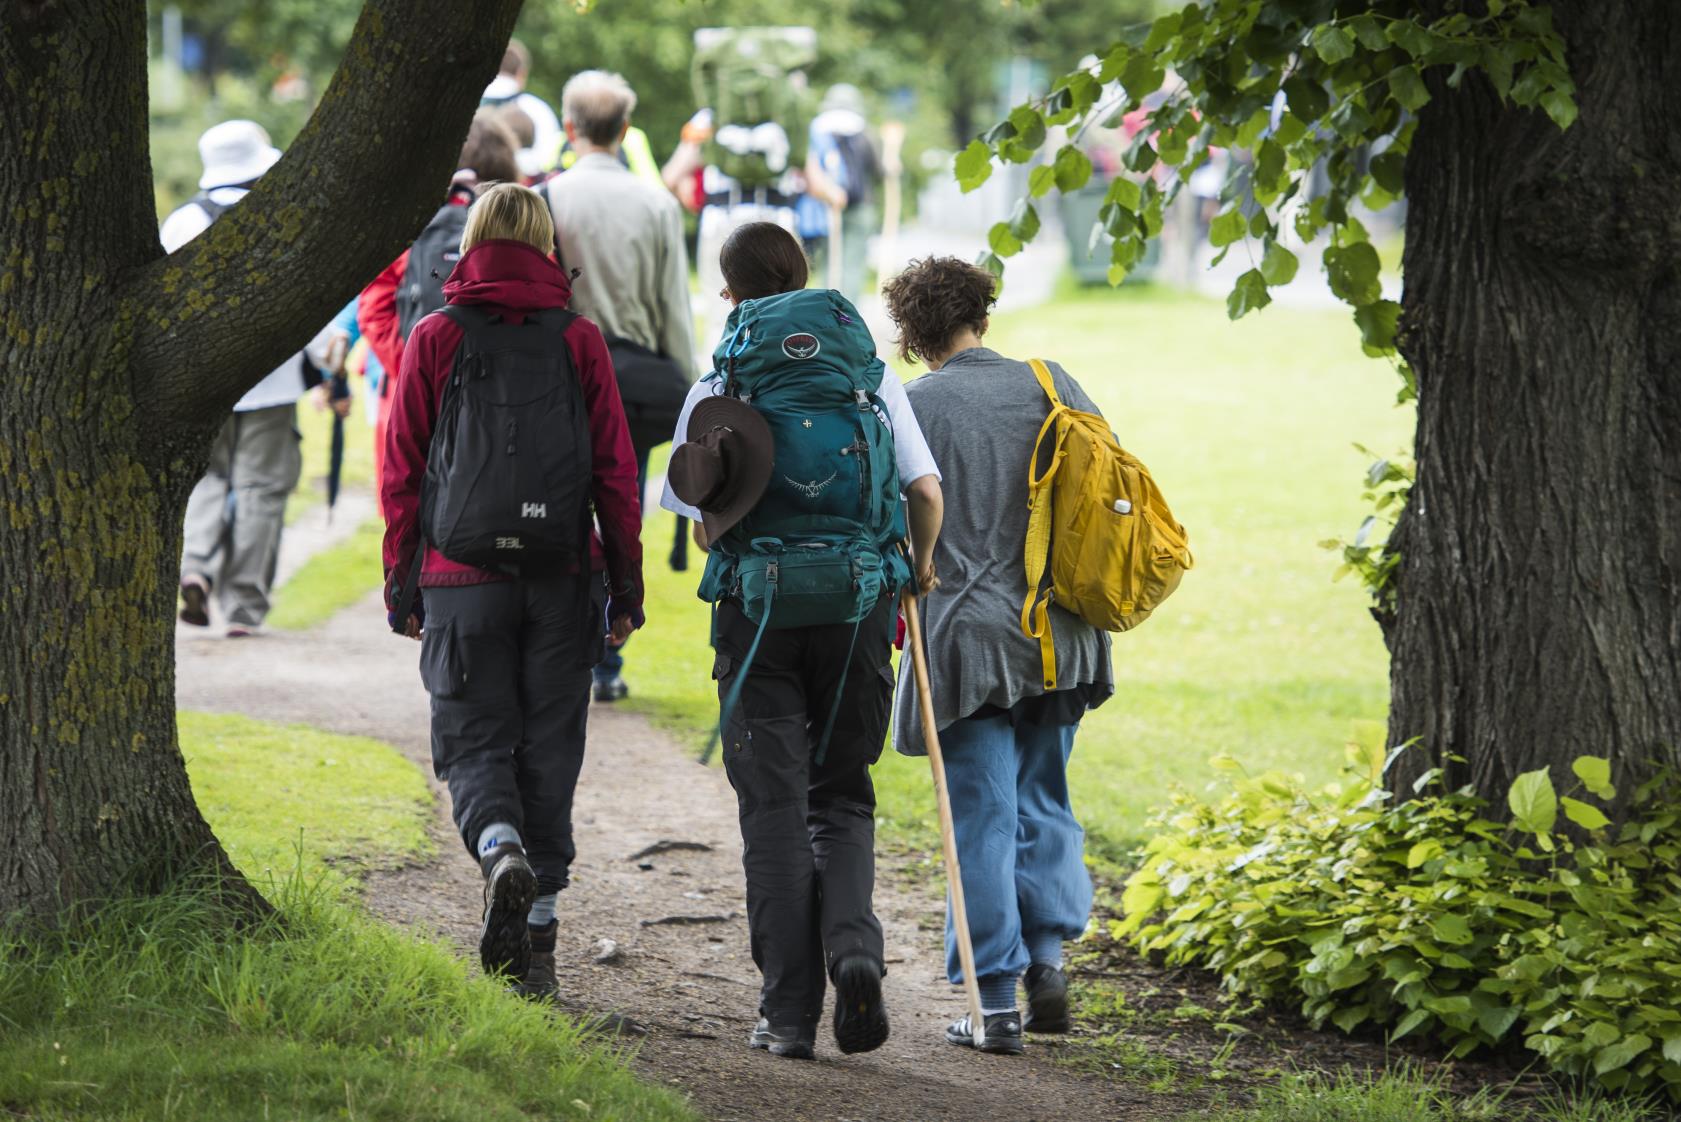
[117, 365]
[1539, 593]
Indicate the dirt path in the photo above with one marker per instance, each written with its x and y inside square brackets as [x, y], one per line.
[692, 984]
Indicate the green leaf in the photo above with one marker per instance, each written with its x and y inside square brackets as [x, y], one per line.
[1113, 63]
[1124, 193]
[1072, 169]
[1348, 1019]
[1409, 1022]
[1595, 774]
[1452, 929]
[1307, 99]
[1278, 265]
[1497, 64]
[1369, 31]
[1406, 86]
[1497, 1020]
[1388, 170]
[992, 264]
[1269, 168]
[1447, 1006]
[1586, 816]
[1228, 226]
[1352, 271]
[1334, 43]
[1411, 36]
[1534, 803]
[1040, 180]
[1621, 1054]
[1377, 322]
[1003, 242]
[1024, 221]
[1249, 293]
[1029, 125]
[974, 165]
[1142, 77]
[1560, 106]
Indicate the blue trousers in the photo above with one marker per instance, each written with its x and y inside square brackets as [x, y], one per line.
[1021, 851]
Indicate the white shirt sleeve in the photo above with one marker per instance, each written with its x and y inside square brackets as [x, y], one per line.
[697, 393]
[183, 226]
[910, 447]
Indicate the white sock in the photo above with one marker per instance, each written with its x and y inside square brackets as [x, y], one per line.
[495, 834]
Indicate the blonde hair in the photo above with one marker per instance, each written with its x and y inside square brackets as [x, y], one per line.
[510, 212]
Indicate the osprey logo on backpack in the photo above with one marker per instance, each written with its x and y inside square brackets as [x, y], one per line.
[801, 346]
[813, 489]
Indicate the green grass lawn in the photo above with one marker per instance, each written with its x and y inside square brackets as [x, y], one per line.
[1249, 428]
[158, 1008]
[331, 580]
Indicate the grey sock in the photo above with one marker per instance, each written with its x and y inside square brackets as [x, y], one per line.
[495, 834]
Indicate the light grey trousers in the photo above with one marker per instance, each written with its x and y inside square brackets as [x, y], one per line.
[236, 512]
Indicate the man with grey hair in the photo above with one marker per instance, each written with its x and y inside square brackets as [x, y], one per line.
[623, 236]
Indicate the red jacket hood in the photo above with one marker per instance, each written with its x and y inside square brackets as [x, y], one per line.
[508, 274]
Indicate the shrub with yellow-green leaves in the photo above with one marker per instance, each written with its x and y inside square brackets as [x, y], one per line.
[1428, 918]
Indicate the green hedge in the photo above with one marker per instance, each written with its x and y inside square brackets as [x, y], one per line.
[1428, 918]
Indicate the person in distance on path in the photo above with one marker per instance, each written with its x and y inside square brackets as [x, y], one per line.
[1006, 741]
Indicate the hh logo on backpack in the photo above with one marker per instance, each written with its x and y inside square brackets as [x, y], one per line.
[1101, 541]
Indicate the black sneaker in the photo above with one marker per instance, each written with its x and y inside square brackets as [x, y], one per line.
[195, 594]
[787, 1042]
[509, 888]
[1047, 999]
[860, 1016]
[612, 690]
[1001, 1035]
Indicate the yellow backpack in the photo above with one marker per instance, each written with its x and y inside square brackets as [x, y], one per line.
[1101, 541]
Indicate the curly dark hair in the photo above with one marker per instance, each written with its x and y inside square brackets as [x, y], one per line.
[934, 299]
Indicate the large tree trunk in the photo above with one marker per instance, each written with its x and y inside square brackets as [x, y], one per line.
[1539, 609]
[117, 365]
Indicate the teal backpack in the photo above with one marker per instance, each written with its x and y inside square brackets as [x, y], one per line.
[825, 542]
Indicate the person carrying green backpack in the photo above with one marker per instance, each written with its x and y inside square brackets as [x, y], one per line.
[792, 457]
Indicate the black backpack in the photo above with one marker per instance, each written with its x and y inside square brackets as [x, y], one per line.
[508, 474]
[432, 258]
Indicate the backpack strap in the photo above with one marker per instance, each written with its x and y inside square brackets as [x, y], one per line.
[733, 698]
[1041, 470]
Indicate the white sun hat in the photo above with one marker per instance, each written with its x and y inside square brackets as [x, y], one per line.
[234, 152]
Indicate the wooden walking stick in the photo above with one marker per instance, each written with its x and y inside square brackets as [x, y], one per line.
[948, 838]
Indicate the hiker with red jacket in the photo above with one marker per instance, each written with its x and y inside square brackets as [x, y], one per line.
[508, 411]
[487, 156]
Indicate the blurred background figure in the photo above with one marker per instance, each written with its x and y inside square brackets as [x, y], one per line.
[508, 88]
[837, 215]
[624, 236]
[237, 511]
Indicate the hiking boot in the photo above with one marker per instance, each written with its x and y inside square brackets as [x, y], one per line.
[1001, 1035]
[860, 1016]
[614, 689]
[195, 599]
[788, 1042]
[509, 888]
[539, 982]
[1047, 999]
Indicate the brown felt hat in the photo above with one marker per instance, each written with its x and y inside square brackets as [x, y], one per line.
[725, 464]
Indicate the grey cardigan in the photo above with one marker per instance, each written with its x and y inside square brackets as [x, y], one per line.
[981, 413]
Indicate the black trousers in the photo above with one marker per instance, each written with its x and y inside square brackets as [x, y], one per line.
[807, 829]
[508, 668]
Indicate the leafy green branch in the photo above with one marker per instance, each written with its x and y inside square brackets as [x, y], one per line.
[1285, 89]
[1389, 482]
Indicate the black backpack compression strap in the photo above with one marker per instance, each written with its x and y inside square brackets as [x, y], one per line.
[409, 590]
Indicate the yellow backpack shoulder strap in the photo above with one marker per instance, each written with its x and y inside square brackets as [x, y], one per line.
[1036, 609]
